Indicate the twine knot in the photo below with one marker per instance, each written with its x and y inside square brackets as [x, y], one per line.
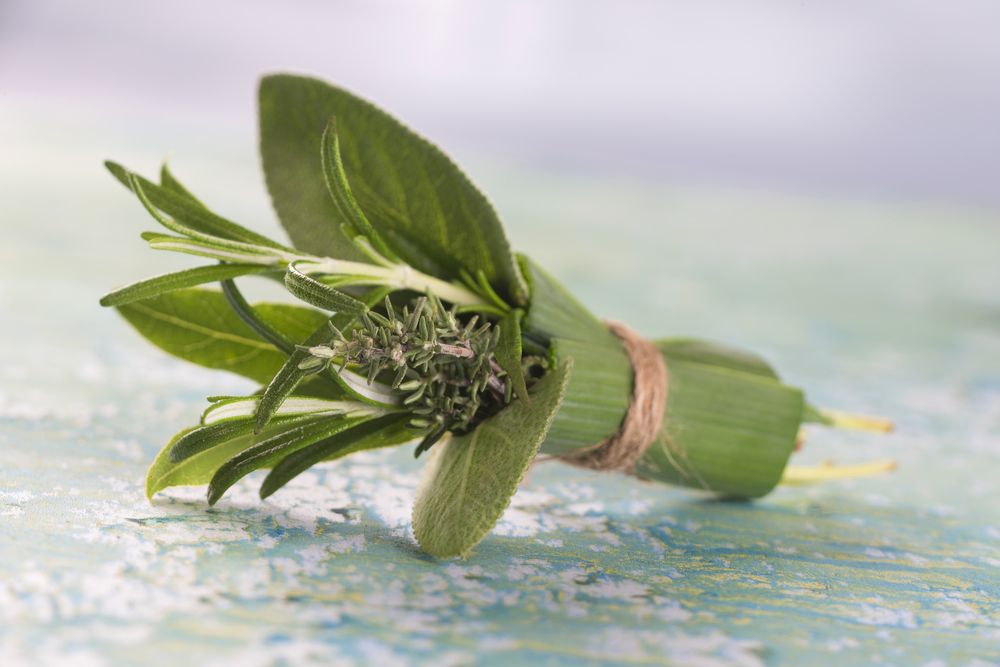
[644, 416]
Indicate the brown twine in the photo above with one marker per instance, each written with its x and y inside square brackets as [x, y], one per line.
[644, 416]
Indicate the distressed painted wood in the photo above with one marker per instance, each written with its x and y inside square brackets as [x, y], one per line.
[888, 309]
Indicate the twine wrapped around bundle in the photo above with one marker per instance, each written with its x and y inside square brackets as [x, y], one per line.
[644, 417]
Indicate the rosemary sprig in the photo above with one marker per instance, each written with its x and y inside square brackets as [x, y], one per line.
[415, 322]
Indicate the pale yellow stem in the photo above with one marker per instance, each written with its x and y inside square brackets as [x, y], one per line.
[856, 422]
[798, 475]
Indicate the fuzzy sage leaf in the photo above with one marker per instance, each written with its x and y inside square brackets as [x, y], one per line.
[422, 205]
[469, 481]
[197, 325]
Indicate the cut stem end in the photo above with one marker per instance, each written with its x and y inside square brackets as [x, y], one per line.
[855, 422]
[800, 475]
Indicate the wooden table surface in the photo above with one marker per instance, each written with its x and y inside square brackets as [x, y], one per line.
[890, 308]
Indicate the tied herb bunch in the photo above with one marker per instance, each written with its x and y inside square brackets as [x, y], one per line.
[415, 323]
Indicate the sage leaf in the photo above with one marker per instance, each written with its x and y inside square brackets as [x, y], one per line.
[198, 325]
[508, 351]
[470, 479]
[150, 287]
[422, 205]
[382, 432]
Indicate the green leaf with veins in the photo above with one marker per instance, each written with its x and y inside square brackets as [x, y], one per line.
[470, 479]
[421, 204]
[199, 326]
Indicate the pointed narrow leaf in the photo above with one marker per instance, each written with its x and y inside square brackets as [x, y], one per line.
[197, 325]
[267, 452]
[340, 190]
[205, 437]
[322, 296]
[508, 351]
[145, 289]
[199, 468]
[422, 205]
[225, 251]
[169, 182]
[187, 212]
[470, 479]
[383, 432]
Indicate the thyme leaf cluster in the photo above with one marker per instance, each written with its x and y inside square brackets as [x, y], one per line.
[443, 367]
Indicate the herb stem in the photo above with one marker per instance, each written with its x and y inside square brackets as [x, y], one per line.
[398, 276]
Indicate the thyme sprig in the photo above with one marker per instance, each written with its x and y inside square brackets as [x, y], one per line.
[445, 368]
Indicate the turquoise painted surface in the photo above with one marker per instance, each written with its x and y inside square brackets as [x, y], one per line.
[891, 309]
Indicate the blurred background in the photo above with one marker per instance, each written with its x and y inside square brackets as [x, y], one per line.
[885, 99]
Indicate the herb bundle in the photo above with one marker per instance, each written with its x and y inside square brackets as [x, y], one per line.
[415, 323]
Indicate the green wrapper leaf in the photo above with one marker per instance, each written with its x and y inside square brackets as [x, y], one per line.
[724, 430]
[600, 387]
[470, 479]
[198, 325]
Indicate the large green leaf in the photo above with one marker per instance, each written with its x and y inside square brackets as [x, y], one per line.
[198, 325]
[470, 479]
[414, 196]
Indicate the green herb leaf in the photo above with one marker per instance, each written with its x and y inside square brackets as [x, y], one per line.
[322, 296]
[199, 468]
[145, 289]
[197, 325]
[169, 182]
[186, 212]
[382, 432]
[470, 479]
[340, 190]
[421, 204]
[267, 452]
[508, 351]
